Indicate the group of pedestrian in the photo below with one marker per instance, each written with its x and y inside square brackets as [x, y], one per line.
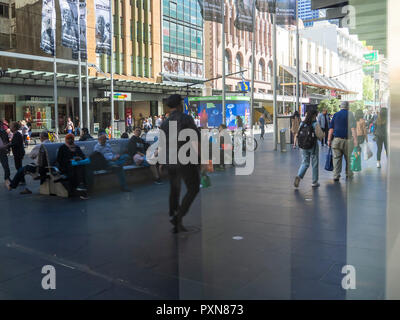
[343, 133]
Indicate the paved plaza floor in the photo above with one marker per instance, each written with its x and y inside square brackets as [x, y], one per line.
[251, 237]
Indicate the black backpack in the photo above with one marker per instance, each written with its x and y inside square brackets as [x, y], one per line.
[306, 137]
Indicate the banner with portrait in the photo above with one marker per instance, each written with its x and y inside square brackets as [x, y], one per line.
[286, 12]
[266, 5]
[69, 24]
[211, 10]
[82, 35]
[244, 15]
[48, 33]
[103, 26]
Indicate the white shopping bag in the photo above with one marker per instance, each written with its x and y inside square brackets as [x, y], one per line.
[367, 152]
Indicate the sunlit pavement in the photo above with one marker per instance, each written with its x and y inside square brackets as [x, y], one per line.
[252, 237]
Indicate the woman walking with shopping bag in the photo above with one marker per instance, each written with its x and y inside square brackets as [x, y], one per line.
[381, 135]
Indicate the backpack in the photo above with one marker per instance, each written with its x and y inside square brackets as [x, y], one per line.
[306, 137]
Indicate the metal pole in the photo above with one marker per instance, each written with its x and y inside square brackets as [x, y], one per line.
[253, 63]
[80, 67]
[112, 70]
[223, 63]
[55, 90]
[297, 59]
[87, 97]
[275, 72]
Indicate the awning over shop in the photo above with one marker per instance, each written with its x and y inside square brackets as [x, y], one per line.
[39, 78]
[318, 81]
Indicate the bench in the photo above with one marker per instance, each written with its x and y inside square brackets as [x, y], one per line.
[50, 150]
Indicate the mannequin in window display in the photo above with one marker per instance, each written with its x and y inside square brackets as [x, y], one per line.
[28, 115]
[39, 119]
[43, 115]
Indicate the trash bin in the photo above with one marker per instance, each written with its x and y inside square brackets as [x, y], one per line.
[283, 140]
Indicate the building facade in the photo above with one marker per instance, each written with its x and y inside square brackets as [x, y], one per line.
[183, 41]
[137, 58]
[349, 51]
[305, 13]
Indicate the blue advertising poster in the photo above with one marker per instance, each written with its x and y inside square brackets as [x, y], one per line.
[209, 112]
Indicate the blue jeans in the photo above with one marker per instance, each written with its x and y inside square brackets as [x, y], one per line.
[117, 168]
[310, 155]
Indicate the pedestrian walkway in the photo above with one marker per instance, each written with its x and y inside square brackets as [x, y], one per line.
[252, 237]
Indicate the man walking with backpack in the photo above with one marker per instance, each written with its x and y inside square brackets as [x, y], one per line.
[308, 141]
[344, 140]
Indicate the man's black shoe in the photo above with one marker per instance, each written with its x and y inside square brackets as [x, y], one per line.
[179, 228]
[125, 189]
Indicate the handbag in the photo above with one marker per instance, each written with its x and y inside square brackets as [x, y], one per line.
[205, 181]
[329, 161]
[355, 160]
[367, 152]
[318, 131]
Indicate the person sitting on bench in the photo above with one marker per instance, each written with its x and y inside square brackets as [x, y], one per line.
[75, 173]
[137, 148]
[30, 168]
[114, 161]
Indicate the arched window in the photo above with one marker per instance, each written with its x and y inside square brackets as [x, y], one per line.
[228, 62]
[250, 70]
[261, 70]
[239, 63]
[269, 72]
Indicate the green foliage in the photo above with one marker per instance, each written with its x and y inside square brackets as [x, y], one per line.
[332, 105]
[357, 105]
[368, 88]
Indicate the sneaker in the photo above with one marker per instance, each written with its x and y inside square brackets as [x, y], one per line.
[378, 164]
[315, 185]
[81, 188]
[26, 191]
[297, 182]
[84, 197]
[158, 181]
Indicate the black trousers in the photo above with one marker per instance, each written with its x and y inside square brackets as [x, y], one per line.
[191, 177]
[18, 165]
[4, 163]
[262, 131]
[380, 141]
[325, 140]
[20, 176]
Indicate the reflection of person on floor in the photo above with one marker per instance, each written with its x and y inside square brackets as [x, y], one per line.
[189, 173]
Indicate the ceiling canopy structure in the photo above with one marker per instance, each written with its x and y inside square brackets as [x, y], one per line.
[318, 81]
[41, 78]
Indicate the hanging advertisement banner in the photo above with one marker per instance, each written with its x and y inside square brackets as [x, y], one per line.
[286, 12]
[103, 26]
[266, 5]
[211, 10]
[69, 24]
[82, 35]
[48, 27]
[244, 15]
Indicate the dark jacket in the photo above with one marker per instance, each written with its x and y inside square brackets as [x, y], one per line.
[65, 155]
[86, 137]
[17, 145]
[381, 130]
[4, 138]
[137, 144]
